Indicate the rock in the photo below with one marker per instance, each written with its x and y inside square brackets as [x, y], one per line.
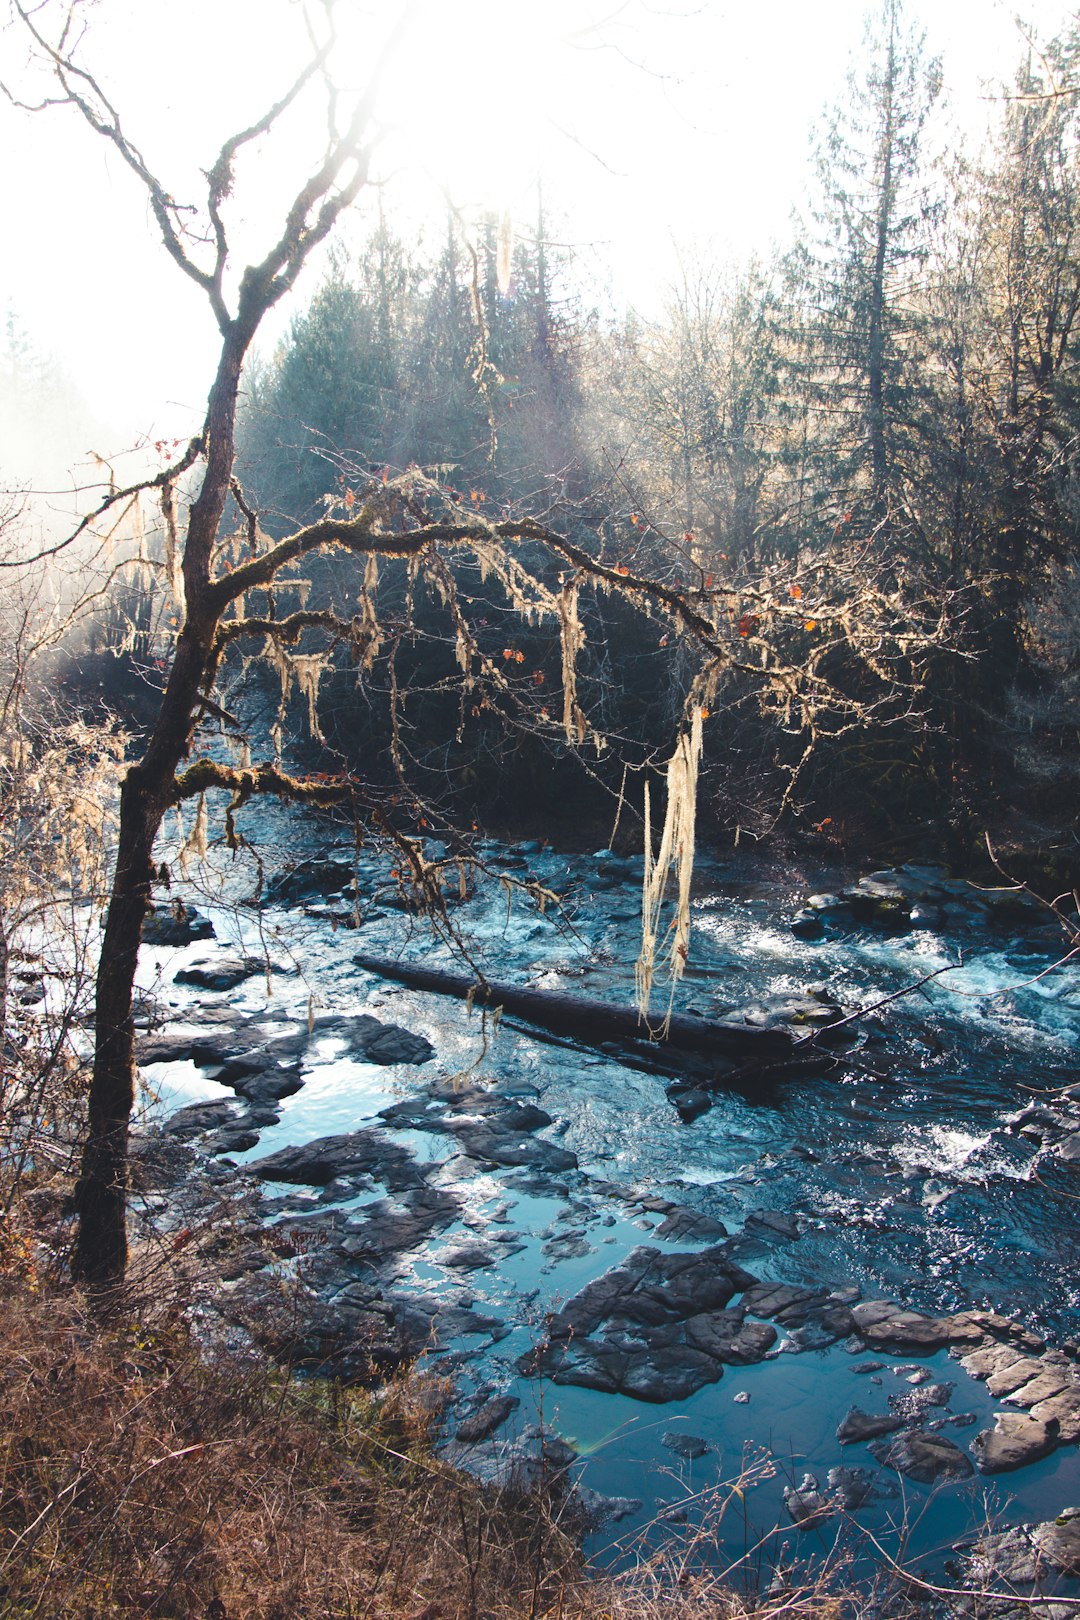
[1013, 1376]
[689, 1446]
[775, 1223]
[226, 973]
[668, 1374]
[391, 1044]
[1058, 1542]
[854, 1487]
[1009, 1556]
[687, 1223]
[466, 1257]
[689, 1102]
[805, 1504]
[742, 1398]
[770, 1299]
[915, 1404]
[879, 1322]
[807, 924]
[486, 1419]
[535, 1457]
[728, 1338]
[327, 1157]
[868, 1367]
[1064, 1411]
[309, 880]
[651, 1287]
[177, 924]
[859, 1426]
[599, 1509]
[927, 1458]
[1015, 1440]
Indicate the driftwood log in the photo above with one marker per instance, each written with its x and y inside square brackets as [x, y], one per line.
[592, 1021]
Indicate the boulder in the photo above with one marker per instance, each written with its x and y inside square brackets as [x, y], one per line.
[859, 1426]
[482, 1423]
[927, 1458]
[687, 1446]
[177, 924]
[1016, 1440]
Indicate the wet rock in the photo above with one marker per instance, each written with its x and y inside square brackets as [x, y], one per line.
[915, 1404]
[774, 1223]
[854, 1487]
[927, 1458]
[689, 1102]
[859, 1426]
[600, 1510]
[1058, 1542]
[807, 924]
[1062, 1410]
[868, 1367]
[391, 1044]
[688, 1223]
[466, 1257]
[309, 880]
[651, 1287]
[728, 1338]
[687, 1446]
[533, 1458]
[486, 1419]
[668, 1374]
[805, 1503]
[177, 924]
[226, 973]
[879, 1322]
[1016, 1440]
[315, 1163]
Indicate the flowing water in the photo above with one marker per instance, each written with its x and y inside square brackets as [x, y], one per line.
[904, 1167]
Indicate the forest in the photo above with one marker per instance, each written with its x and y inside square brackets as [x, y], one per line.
[693, 695]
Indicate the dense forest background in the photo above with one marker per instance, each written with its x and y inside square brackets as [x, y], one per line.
[889, 405]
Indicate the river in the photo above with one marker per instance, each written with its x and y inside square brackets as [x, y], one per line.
[910, 1172]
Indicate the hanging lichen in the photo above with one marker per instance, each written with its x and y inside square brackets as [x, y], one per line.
[676, 849]
[308, 670]
[572, 636]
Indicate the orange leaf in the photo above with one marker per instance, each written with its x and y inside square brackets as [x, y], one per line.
[621, 568]
[748, 624]
[350, 498]
[796, 592]
[811, 624]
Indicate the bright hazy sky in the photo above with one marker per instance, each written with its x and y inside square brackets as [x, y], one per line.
[663, 129]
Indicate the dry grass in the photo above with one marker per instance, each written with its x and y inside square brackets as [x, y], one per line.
[136, 1479]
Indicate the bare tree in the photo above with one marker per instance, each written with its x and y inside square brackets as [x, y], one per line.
[761, 633]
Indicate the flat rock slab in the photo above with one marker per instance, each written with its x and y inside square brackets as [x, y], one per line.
[482, 1423]
[226, 973]
[687, 1446]
[316, 1163]
[651, 1287]
[859, 1426]
[878, 1322]
[1016, 1440]
[927, 1458]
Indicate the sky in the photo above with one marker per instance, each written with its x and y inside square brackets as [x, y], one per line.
[666, 131]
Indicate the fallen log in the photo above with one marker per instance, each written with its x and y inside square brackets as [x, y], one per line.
[589, 1019]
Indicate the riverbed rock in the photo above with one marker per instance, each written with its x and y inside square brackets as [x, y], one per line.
[315, 1163]
[482, 1423]
[226, 972]
[650, 1287]
[927, 1458]
[806, 1505]
[859, 1426]
[309, 879]
[880, 1323]
[177, 924]
[1064, 1411]
[598, 1509]
[727, 1337]
[1016, 1440]
[1058, 1542]
[687, 1446]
